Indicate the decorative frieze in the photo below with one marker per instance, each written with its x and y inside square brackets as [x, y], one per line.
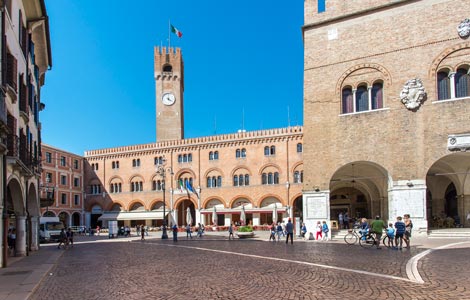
[413, 94]
[464, 29]
[458, 142]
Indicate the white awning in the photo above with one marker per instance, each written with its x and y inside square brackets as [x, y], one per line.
[131, 215]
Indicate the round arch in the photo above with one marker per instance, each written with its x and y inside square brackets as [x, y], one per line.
[359, 189]
[448, 191]
[241, 167]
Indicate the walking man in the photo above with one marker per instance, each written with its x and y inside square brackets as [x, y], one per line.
[290, 232]
[230, 232]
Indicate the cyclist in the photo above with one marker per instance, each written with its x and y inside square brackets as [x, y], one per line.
[378, 226]
[364, 228]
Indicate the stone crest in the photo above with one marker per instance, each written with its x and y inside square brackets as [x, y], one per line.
[413, 94]
[464, 28]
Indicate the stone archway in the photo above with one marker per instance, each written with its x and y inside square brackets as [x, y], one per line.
[359, 189]
[182, 211]
[448, 191]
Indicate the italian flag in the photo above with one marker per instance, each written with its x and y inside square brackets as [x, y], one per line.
[176, 31]
[181, 185]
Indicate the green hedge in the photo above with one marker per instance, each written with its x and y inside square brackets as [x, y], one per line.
[245, 229]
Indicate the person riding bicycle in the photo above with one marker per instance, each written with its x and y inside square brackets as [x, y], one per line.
[377, 227]
[364, 228]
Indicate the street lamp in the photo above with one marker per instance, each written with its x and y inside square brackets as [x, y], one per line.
[161, 170]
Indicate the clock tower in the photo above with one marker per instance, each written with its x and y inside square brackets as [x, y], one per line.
[169, 84]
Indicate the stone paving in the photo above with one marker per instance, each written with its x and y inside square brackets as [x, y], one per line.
[215, 268]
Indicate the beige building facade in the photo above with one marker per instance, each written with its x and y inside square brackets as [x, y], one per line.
[386, 102]
[26, 57]
[211, 180]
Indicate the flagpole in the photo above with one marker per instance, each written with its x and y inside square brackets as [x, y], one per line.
[169, 34]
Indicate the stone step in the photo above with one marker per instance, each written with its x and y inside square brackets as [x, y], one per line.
[449, 233]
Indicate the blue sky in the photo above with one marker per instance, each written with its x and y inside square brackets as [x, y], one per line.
[240, 56]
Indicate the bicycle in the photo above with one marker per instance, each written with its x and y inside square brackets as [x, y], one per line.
[386, 239]
[352, 236]
[368, 240]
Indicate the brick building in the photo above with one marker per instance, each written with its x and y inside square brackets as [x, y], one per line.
[386, 102]
[216, 178]
[62, 185]
[26, 57]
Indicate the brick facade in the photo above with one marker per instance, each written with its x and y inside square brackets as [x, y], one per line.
[390, 156]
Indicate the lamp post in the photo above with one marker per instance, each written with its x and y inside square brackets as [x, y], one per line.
[161, 170]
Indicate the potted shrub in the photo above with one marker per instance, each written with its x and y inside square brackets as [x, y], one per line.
[245, 232]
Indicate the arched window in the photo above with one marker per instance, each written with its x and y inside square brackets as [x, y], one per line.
[377, 95]
[247, 179]
[347, 101]
[273, 150]
[362, 98]
[219, 181]
[264, 179]
[240, 179]
[276, 178]
[462, 83]
[237, 153]
[211, 155]
[243, 152]
[299, 148]
[180, 158]
[443, 85]
[216, 155]
[270, 178]
[167, 68]
[266, 151]
[190, 157]
[235, 180]
[185, 158]
[113, 165]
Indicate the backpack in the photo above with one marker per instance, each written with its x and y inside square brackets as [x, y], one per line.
[325, 228]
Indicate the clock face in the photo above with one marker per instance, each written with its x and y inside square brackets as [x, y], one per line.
[168, 98]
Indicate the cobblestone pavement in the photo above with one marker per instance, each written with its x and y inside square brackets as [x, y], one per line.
[215, 268]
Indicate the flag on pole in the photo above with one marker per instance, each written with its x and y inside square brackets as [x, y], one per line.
[176, 31]
[190, 188]
[181, 185]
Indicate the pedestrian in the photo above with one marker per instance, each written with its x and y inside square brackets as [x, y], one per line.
[272, 235]
[400, 231]
[290, 231]
[175, 233]
[127, 230]
[137, 230]
[303, 231]
[70, 236]
[189, 232]
[12, 238]
[146, 230]
[98, 230]
[391, 236]
[325, 231]
[62, 238]
[408, 228]
[142, 233]
[346, 220]
[377, 227]
[199, 230]
[319, 231]
[283, 224]
[279, 231]
[340, 220]
[230, 232]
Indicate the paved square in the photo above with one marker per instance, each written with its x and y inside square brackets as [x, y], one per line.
[215, 268]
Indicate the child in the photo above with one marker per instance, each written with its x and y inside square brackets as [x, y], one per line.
[400, 231]
[325, 230]
[391, 235]
[319, 231]
[364, 228]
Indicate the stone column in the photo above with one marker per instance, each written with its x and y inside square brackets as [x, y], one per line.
[34, 233]
[409, 197]
[20, 236]
[87, 219]
[316, 207]
[466, 210]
